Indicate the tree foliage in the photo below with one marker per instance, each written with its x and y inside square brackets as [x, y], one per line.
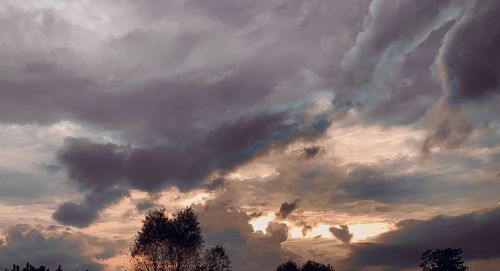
[448, 259]
[215, 259]
[175, 244]
[30, 267]
[288, 266]
[307, 266]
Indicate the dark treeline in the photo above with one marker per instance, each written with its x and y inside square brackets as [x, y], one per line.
[30, 267]
[175, 243]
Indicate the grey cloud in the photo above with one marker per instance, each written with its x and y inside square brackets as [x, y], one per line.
[312, 151]
[342, 233]
[374, 183]
[144, 205]
[475, 232]
[471, 55]
[391, 30]
[413, 86]
[221, 223]
[389, 70]
[83, 214]
[148, 203]
[385, 189]
[73, 251]
[23, 186]
[287, 208]
[468, 64]
[96, 167]
[202, 98]
[449, 129]
[128, 83]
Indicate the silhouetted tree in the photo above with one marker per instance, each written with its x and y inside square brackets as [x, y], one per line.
[187, 240]
[308, 266]
[449, 259]
[288, 266]
[314, 266]
[30, 267]
[165, 244]
[215, 259]
[151, 249]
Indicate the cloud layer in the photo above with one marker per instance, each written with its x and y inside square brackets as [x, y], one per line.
[316, 122]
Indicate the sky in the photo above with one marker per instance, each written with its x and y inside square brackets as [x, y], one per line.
[352, 132]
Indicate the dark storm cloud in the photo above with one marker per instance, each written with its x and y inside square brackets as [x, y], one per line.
[476, 233]
[157, 108]
[413, 86]
[342, 233]
[287, 208]
[471, 56]
[217, 90]
[99, 167]
[128, 83]
[62, 85]
[469, 72]
[83, 214]
[389, 70]
[391, 30]
[73, 251]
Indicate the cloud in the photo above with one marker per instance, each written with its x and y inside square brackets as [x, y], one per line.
[73, 251]
[175, 116]
[475, 233]
[312, 151]
[469, 76]
[230, 226]
[383, 40]
[472, 67]
[83, 214]
[287, 208]
[104, 169]
[342, 233]
[412, 87]
[22, 185]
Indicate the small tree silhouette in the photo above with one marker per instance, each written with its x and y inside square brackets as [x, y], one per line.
[314, 266]
[30, 267]
[215, 259]
[308, 266]
[448, 259]
[288, 266]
